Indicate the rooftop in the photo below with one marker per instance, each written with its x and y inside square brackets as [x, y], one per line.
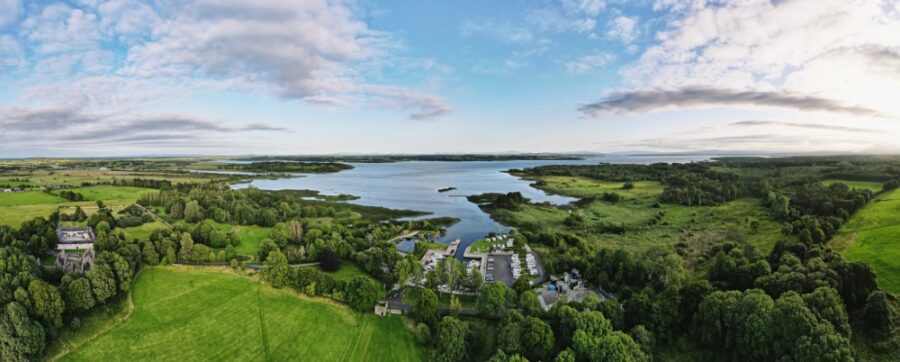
[79, 235]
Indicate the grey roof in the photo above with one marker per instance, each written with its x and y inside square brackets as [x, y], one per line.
[75, 235]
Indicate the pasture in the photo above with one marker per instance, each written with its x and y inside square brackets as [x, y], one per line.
[873, 235]
[190, 314]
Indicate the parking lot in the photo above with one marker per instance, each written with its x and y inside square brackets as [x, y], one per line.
[501, 269]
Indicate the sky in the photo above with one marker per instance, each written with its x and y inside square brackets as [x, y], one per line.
[229, 77]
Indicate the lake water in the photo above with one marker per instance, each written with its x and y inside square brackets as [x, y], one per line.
[414, 186]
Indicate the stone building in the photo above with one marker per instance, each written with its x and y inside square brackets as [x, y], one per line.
[75, 249]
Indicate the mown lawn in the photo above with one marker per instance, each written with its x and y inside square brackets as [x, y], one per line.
[873, 235]
[189, 314]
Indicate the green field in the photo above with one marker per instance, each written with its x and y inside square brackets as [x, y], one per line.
[143, 232]
[871, 185]
[250, 237]
[347, 272]
[75, 177]
[873, 235]
[18, 207]
[189, 314]
[104, 193]
[585, 187]
[28, 198]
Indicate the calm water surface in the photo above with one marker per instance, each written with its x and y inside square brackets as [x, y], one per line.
[414, 185]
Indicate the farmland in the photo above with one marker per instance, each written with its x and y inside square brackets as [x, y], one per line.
[186, 314]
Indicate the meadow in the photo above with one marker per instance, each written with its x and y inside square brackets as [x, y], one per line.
[647, 222]
[873, 235]
[193, 314]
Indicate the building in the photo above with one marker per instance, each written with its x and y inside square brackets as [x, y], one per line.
[75, 238]
[75, 249]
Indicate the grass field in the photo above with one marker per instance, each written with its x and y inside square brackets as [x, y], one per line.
[189, 314]
[347, 272]
[104, 193]
[873, 235]
[28, 198]
[873, 186]
[695, 228]
[18, 207]
[585, 187]
[143, 232]
[250, 235]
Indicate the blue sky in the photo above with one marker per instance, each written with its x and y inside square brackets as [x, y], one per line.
[128, 77]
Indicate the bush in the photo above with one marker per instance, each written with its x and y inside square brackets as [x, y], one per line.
[330, 260]
[423, 334]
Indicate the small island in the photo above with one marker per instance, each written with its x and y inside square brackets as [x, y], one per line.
[446, 189]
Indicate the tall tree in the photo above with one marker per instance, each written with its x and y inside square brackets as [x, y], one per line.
[276, 269]
[492, 302]
[362, 293]
[47, 304]
[452, 344]
[21, 338]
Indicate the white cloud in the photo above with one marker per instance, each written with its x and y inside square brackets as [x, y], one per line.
[588, 63]
[814, 47]
[9, 11]
[11, 54]
[500, 30]
[588, 7]
[501, 67]
[623, 28]
[553, 20]
[122, 54]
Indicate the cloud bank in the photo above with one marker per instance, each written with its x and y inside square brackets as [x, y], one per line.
[651, 100]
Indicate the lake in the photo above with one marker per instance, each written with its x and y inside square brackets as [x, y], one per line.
[414, 186]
